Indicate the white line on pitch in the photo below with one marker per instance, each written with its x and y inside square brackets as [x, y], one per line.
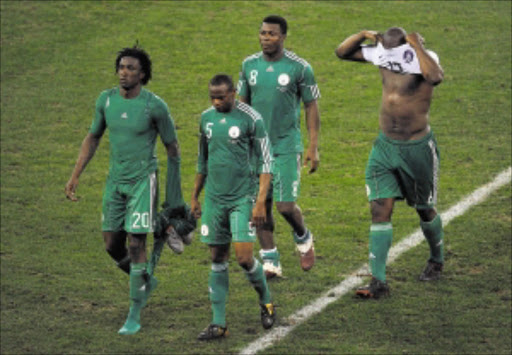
[354, 280]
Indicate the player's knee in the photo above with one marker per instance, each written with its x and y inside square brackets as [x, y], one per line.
[267, 226]
[286, 208]
[427, 215]
[245, 261]
[136, 245]
[381, 210]
[116, 251]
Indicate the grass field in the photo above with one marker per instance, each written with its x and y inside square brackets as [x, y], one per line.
[61, 293]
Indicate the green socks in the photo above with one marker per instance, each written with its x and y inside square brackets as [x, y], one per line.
[218, 285]
[258, 280]
[381, 235]
[137, 296]
[433, 232]
[301, 239]
[270, 255]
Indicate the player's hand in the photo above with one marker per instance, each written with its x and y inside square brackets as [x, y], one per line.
[259, 215]
[372, 36]
[414, 39]
[70, 189]
[195, 208]
[313, 157]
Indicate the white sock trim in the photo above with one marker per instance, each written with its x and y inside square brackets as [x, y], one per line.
[220, 267]
[255, 265]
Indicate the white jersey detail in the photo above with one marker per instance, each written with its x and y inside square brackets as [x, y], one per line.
[402, 59]
[255, 115]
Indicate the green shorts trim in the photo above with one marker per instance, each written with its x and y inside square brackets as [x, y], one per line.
[130, 206]
[286, 180]
[223, 223]
[404, 170]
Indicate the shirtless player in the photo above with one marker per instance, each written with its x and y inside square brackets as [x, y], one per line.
[404, 161]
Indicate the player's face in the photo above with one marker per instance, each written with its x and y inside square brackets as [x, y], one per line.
[271, 38]
[129, 72]
[223, 99]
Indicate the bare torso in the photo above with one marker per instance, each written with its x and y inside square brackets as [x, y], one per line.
[405, 105]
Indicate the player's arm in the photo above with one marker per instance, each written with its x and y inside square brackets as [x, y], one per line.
[313, 126]
[89, 146]
[263, 150]
[87, 150]
[243, 89]
[173, 192]
[165, 127]
[202, 172]
[195, 205]
[259, 212]
[350, 48]
[430, 68]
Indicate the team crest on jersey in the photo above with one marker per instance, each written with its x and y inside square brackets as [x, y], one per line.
[408, 56]
[234, 132]
[283, 79]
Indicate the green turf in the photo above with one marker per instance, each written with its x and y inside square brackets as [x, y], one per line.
[60, 293]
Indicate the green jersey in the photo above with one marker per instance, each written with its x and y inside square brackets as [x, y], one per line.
[275, 90]
[227, 142]
[133, 126]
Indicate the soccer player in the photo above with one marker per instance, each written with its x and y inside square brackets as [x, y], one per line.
[404, 161]
[134, 117]
[273, 82]
[230, 132]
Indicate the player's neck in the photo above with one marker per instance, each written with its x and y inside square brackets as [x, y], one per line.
[130, 93]
[274, 57]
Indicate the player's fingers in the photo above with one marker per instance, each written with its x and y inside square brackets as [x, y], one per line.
[70, 194]
[314, 166]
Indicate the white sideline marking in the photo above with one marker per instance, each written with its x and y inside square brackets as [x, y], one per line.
[354, 280]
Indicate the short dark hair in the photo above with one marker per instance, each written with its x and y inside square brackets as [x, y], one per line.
[394, 37]
[278, 20]
[220, 79]
[141, 55]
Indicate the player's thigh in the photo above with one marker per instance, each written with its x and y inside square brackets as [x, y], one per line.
[239, 220]
[113, 208]
[381, 181]
[286, 180]
[215, 223]
[420, 175]
[142, 205]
